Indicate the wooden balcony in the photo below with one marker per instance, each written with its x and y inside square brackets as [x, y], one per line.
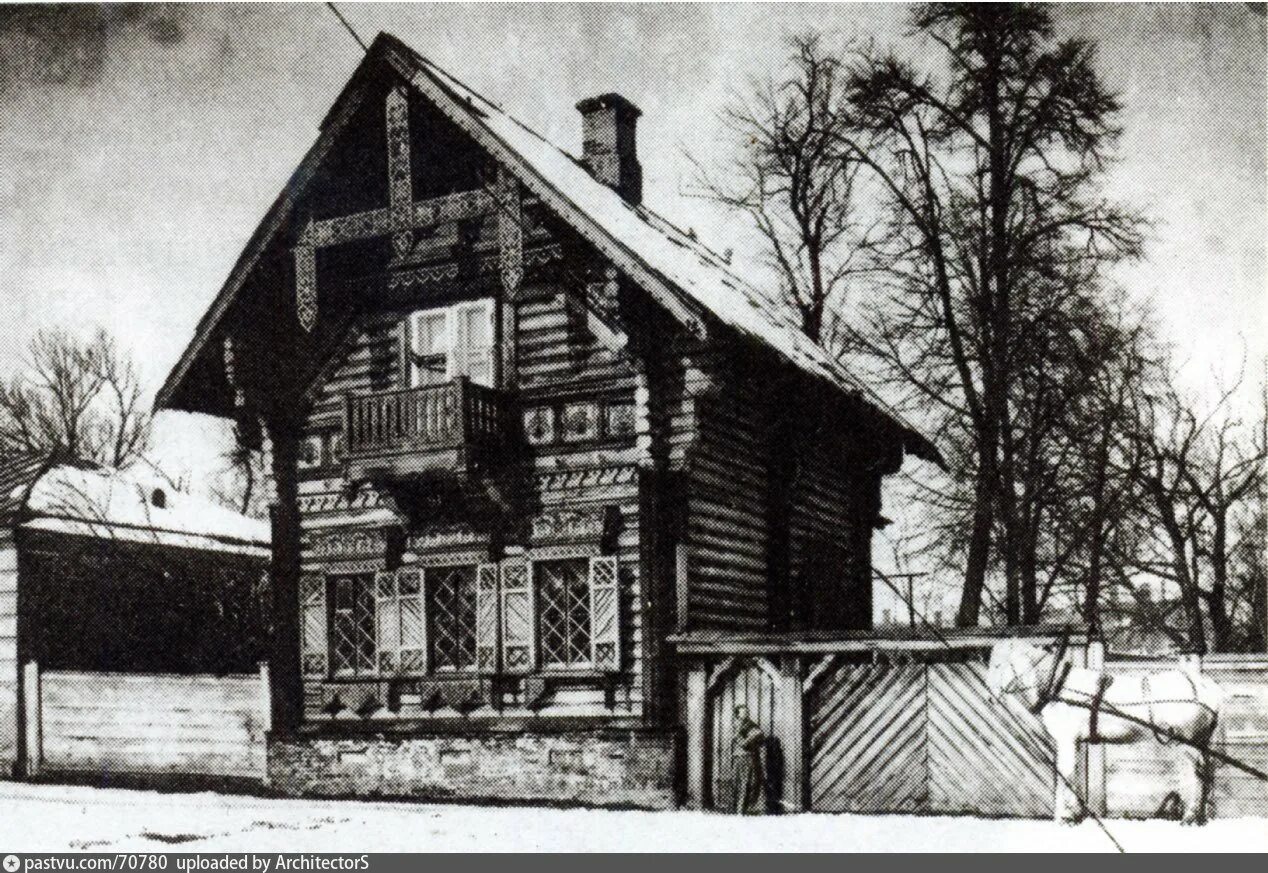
[454, 428]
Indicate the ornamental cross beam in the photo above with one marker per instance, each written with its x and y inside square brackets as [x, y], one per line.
[403, 215]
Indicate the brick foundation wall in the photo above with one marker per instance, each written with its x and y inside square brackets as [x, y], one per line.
[631, 768]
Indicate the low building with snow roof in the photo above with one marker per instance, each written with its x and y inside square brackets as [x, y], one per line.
[118, 572]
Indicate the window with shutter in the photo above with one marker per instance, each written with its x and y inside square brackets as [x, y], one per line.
[563, 595]
[413, 620]
[312, 623]
[451, 606]
[388, 621]
[452, 341]
[518, 618]
[605, 614]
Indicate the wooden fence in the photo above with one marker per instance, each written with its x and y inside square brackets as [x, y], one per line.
[145, 724]
[884, 725]
[864, 724]
[1139, 776]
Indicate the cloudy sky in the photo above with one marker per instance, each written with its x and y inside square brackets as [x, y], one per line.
[142, 145]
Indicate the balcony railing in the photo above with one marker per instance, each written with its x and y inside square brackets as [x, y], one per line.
[435, 428]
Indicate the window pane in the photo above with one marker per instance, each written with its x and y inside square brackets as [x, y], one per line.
[429, 344]
[430, 337]
[353, 625]
[563, 593]
[477, 329]
[452, 606]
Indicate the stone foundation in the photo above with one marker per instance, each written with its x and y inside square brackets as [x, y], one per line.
[628, 768]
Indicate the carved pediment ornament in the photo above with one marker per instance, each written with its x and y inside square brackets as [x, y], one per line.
[457, 536]
[403, 215]
[349, 545]
[590, 525]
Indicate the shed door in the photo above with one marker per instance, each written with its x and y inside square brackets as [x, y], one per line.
[750, 686]
[869, 739]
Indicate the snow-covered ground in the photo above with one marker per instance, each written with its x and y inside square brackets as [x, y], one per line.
[54, 818]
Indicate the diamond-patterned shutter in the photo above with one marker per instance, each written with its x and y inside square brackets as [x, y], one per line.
[487, 619]
[387, 622]
[605, 614]
[413, 620]
[519, 650]
[312, 623]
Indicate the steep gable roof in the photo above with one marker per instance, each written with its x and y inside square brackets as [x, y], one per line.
[692, 282]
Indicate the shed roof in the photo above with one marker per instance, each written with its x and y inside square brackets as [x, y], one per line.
[122, 505]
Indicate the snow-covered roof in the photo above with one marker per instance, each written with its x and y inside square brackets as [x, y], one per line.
[683, 262]
[680, 272]
[138, 507]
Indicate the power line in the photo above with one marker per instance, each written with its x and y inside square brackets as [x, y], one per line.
[347, 26]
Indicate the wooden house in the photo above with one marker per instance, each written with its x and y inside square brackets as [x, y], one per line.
[110, 572]
[522, 429]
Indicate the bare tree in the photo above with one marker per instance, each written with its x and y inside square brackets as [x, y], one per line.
[1199, 477]
[82, 400]
[242, 486]
[789, 175]
[992, 174]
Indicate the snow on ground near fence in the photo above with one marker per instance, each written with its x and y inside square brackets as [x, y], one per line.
[53, 818]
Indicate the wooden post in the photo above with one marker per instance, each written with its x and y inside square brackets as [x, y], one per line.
[34, 739]
[682, 584]
[697, 733]
[1094, 769]
[286, 689]
[790, 718]
[266, 717]
[266, 698]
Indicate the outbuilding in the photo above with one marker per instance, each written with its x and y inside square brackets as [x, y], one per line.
[108, 575]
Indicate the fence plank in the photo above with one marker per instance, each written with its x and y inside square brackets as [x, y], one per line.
[868, 740]
[986, 756]
[157, 724]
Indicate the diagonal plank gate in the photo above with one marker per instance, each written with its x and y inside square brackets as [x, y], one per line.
[860, 724]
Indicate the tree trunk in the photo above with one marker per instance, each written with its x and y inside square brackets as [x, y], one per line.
[979, 544]
[1096, 548]
[1216, 604]
[1029, 571]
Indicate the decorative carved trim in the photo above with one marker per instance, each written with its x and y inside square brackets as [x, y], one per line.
[569, 525]
[350, 567]
[573, 479]
[456, 558]
[335, 501]
[447, 537]
[510, 232]
[347, 545]
[230, 373]
[459, 206]
[400, 182]
[306, 286]
[564, 551]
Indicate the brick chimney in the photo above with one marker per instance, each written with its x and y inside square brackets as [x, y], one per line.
[608, 146]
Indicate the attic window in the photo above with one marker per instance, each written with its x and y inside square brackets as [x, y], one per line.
[158, 498]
